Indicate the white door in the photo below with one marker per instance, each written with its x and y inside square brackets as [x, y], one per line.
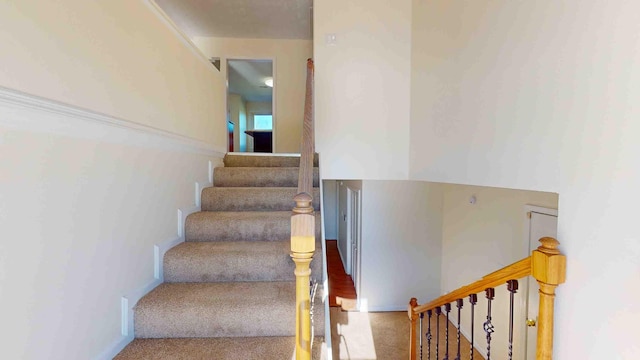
[541, 224]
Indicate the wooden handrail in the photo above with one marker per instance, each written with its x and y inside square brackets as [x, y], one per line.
[516, 270]
[303, 241]
[546, 264]
[305, 175]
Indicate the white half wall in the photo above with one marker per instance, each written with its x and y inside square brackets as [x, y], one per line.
[362, 85]
[290, 74]
[401, 243]
[543, 96]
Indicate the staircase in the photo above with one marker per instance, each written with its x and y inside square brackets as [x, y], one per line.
[229, 289]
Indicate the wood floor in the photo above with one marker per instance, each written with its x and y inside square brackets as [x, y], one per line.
[342, 291]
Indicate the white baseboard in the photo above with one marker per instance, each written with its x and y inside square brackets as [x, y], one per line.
[128, 301]
[344, 263]
[198, 194]
[482, 352]
[385, 308]
[265, 154]
[160, 249]
[115, 348]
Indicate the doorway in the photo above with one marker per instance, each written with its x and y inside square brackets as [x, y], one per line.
[542, 222]
[250, 102]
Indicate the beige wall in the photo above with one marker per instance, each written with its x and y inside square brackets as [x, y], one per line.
[480, 238]
[238, 115]
[543, 96]
[290, 58]
[85, 197]
[113, 57]
[362, 88]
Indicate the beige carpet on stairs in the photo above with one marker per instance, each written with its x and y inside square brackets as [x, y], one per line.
[229, 290]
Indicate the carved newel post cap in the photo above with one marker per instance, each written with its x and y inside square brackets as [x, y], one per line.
[412, 304]
[303, 203]
[547, 263]
[549, 245]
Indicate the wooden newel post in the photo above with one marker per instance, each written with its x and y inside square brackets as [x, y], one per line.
[548, 267]
[414, 332]
[303, 245]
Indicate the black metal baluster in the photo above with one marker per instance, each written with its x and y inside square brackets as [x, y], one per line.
[459, 304]
[488, 326]
[447, 309]
[429, 312]
[473, 299]
[438, 313]
[512, 286]
[420, 332]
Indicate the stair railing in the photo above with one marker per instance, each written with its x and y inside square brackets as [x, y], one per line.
[546, 264]
[303, 241]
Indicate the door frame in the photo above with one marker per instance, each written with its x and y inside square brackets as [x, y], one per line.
[274, 90]
[524, 303]
[354, 227]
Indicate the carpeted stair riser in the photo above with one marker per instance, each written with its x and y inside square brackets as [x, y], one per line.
[234, 261]
[252, 199]
[264, 161]
[259, 177]
[256, 348]
[236, 309]
[241, 226]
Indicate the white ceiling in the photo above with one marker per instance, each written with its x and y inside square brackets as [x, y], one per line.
[261, 19]
[246, 77]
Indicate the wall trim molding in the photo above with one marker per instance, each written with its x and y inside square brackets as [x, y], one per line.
[37, 114]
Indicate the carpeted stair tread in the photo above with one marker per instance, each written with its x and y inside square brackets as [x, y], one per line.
[241, 226]
[232, 309]
[234, 261]
[260, 177]
[256, 348]
[252, 198]
[236, 160]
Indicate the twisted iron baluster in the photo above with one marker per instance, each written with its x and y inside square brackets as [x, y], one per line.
[438, 313]
[512, 286]
[420, 332]
[429, 312]
[459, 303]
[473, 299]
[488, 326]
[447, 309]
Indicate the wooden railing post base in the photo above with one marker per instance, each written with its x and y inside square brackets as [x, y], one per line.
[413, 318]
[303, 305]
[303, 234]
[548, 268]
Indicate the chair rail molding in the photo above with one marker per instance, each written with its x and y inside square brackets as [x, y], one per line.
[28, 112]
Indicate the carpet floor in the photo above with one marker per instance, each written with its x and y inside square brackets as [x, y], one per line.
[384, 336]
